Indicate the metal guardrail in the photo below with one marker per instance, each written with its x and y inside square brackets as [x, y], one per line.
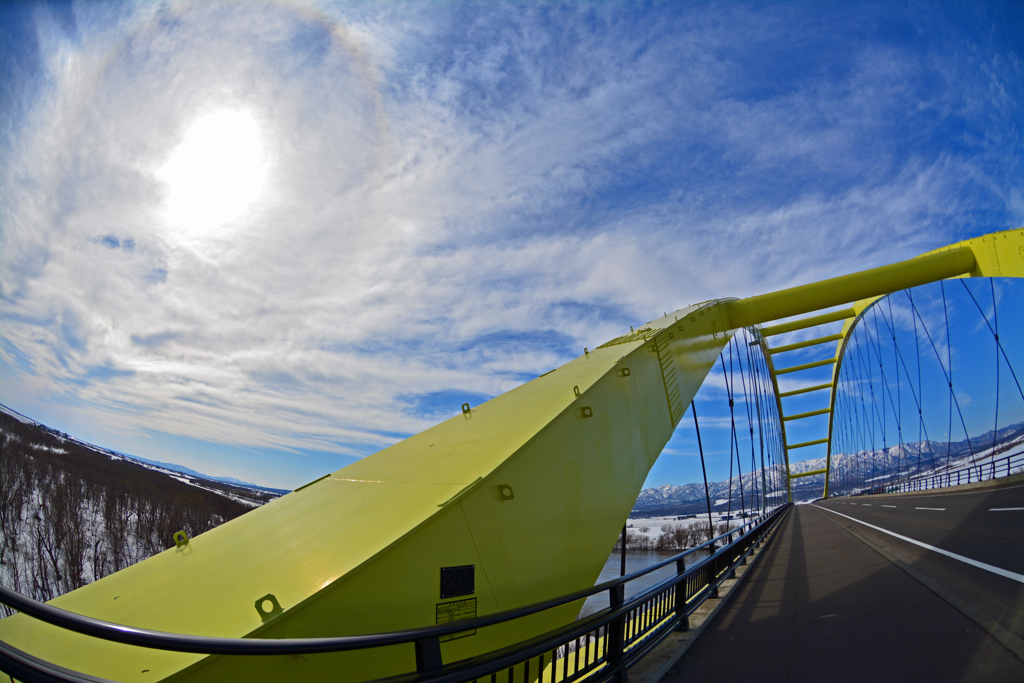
[600, 647]
[1003, 467]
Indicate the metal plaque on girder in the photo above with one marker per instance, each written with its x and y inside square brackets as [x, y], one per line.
[456, 581]
[457, 610]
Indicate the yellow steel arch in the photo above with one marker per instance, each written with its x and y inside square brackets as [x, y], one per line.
[998, 254]
[529, 489]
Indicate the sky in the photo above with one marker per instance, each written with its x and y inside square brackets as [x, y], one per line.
[264, 240]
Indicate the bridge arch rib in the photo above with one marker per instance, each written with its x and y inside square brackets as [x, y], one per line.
[998, 254]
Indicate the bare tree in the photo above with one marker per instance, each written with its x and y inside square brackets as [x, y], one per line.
[12, 498]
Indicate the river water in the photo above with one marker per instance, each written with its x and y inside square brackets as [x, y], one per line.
[635, 561]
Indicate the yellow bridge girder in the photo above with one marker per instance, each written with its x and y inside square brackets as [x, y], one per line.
[530, 489]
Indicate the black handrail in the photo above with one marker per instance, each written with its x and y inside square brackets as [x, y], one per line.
[426, 640]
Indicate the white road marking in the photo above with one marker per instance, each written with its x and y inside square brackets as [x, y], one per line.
[867, 505]
[974, 563]
[938, 509]
[888, 506]
[1005, 509]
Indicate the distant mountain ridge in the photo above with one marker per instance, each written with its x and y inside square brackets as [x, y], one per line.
[171, 467]
[910, 459]
[192, 473]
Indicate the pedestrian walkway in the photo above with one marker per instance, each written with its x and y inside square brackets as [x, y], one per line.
[823, 605]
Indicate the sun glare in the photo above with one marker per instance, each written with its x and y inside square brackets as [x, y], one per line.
[217, 171]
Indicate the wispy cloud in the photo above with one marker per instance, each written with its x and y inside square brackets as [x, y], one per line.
[458, 197]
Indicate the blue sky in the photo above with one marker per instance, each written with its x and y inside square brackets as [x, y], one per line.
[264, 240]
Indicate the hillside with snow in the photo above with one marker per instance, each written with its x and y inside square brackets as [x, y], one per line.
[71, 512]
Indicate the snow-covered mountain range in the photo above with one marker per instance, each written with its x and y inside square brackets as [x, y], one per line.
[262, 494]
[856, 470]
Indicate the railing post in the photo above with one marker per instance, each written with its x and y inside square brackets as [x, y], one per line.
[616, 630]
[428, 655]
[714, 566]
[680, 606]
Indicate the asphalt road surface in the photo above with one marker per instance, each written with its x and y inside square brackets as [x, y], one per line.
[834, 599]
[974, 539]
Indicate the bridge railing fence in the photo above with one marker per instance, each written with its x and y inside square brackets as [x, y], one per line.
[969, 474]
[599, 647]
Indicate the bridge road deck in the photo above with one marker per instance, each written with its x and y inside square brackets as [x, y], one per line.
[823, 604]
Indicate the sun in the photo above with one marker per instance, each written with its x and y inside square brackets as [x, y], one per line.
[217, 171]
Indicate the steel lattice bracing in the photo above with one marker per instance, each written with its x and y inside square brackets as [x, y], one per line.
[530, 489]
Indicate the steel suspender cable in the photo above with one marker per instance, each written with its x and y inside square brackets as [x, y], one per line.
[882, 391]
[703, 469]
[750, 422]
[869, 371]
[897, 405]
[898, 408]
[725, 377]
[995, 334]
[915, 314]
[735, 437]
[756, 390]
[732, 433]
[949, 376]
[999, 344]
[963, 423]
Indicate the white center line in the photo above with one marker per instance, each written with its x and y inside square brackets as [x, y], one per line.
[888, 506]
[1005, 509]
[938, 509]
[867, 505]
[981, 565]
